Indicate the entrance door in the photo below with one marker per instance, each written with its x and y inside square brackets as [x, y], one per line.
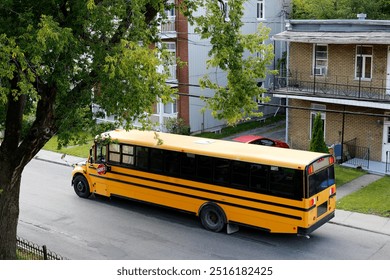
[388, 72]
[386, 141]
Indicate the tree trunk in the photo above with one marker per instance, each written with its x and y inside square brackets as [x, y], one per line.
[15, 153]
[9, 210]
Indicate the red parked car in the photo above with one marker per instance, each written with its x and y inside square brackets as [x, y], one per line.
[260, 140]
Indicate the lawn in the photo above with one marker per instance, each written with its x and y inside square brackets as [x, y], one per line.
[346, 174]
[372, 199]
[74, 150]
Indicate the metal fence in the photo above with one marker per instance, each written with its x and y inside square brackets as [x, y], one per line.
[337, 86]
[357, 155]
[30, 251]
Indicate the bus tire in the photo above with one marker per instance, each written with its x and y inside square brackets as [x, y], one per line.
[212, 217]
[81, 186]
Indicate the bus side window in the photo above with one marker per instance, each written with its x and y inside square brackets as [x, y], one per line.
[156, 160]
[258, 178]
[204, 168]
[127, 155]
[114, 153]
[101, 153]
[142, 157]
[221, 171]
[172, 163]
[187, 164]
[240, 174]
[284, 182]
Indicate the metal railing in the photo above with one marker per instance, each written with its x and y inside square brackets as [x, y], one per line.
[334, 87]
[168, 26]
[30, 251]
[356, 155]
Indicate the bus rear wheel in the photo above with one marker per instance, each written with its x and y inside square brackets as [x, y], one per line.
[81, 186]
[212, 217]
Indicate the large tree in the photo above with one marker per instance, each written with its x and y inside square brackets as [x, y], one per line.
[57, 58]
[60, 57]
[340, 9]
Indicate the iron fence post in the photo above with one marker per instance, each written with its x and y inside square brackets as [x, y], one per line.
[44, 252]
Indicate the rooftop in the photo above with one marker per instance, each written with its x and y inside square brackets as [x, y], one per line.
[333, 31]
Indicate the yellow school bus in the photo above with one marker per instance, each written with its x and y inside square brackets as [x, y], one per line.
[224, 183]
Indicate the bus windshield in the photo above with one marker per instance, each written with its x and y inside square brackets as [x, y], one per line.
[321, 180]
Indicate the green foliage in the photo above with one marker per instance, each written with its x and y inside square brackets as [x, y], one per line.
[340, 9]
[177, 126]
[237, 99]
[317, 142]
[83, 52]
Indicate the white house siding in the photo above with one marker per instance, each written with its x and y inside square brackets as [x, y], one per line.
[276, 12]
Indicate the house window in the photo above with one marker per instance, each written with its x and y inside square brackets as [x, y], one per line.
[170, 108]
[171, 48]
[320, 60]
[363, 64]
[171, 15]
[225, 10]
[313, 114]
[260, 9]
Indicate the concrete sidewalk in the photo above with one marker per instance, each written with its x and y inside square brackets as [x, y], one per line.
[367, 222]
[58, 158]
[371, 223]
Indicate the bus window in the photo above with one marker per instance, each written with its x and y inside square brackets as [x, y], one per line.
[141, 157]
[101, 152]
[321, 180]
[127, 155]
[114, 155]
[172, 163]
[204, 168]
[187, 165]
[258, 178]
[240, 174]
[286, 182]
[156, 162]
[221, 171]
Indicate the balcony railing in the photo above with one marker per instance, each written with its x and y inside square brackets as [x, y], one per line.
[333, 87]
[168, 26]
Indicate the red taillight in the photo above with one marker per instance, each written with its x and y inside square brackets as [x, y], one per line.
[312, 201]
[331, 160]
[310, 170]
[332, 190]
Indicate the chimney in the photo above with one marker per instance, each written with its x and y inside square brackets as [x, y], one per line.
[361, 16]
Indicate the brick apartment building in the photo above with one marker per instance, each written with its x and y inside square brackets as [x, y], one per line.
[340, 69]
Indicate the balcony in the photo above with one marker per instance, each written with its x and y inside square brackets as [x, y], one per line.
[339, 87]
[168, 28]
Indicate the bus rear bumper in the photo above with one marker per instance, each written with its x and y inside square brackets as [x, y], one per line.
[324, 220]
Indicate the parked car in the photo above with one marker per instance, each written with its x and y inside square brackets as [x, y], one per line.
[260, 140]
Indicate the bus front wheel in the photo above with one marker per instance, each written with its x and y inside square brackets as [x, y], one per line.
[212, 217]
[81, 187]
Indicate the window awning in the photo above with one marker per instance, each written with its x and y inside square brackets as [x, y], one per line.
[379, 38]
